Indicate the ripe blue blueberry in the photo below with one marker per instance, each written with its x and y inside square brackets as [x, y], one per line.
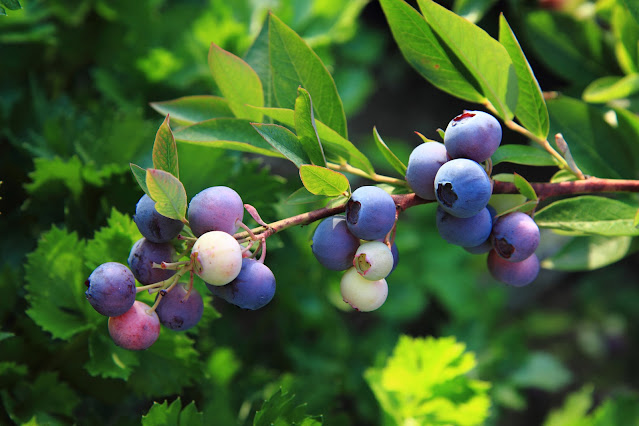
[179, 312]
[487, 245]
[111, 289]
[152, 225]
[370, 213]
[462, 187]
[218, 208]
[333, 244]
[517, 274]
[136, 329]
[515, 236]
[253, 288]
[423, 164]
[464, 231]
[141, 258]
[474, 134]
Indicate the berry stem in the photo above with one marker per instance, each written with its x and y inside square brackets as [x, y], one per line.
[374, 176]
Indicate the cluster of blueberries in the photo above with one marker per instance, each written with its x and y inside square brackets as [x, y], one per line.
[450, 173]
[229, 270]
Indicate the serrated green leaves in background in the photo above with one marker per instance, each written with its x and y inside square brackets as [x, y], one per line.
[295, 64]
[284, 141]
[531, 110]
[166, 414]
[389, 155]
[425, 52]
[306, 129]
[193, 109]
[165, 156]
[589, 214]
[322, 181]
[238, 82]
[282, 409]
[168, 193]
[484, 57]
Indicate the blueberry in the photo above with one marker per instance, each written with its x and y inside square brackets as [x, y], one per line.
[487, 245]
[462, 187]
[111, 289]
[333, 244]
[423, 164]
[219, 256]
[362, 294]
[373, 260]
[135, 329]
[218, 208]
[464, 231]
[141, 258]
[517, 274]
[178, 312]
[515, 236]
[152, 225]
[253, 288]
[474, 134]
[370, 213]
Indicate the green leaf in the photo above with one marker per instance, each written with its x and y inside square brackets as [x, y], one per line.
[55, 276]
[112, 242]
[281, 409]
[626, 33]
[259, 59]
[473, 10]
[620, 410]
[322, 181]
[11, 4]
[164, 414]
[193, 109]
[284, 141]
[574, 411]
[306, 129]
[589, 214]
[392, 159]
[3, 12]
[295, 64]
[140, 176]
[168, 193]
[486, 60]
[542, 371]
[531, 110]
[303, 196]
[107, 360]
[336, 148]
[524, 187]
[5, 335]
[424, 382]
[237, 81]
[165, 156]
[522, 154]
[633, 7]
[588, 253]
[226, 133]
[607, 89]
[426, 53]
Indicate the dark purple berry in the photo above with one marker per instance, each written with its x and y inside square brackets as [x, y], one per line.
[333, 244]
[218, 208]
[253, 288]
[370, 213]
[462, 187]
[487, 245]
[179, 312]
[423, 164]
[466, 231]
[515, 236]
[474, 134]
[135, 329]
[517, 274]
[152, 225]
[111, 289]
[141, 258]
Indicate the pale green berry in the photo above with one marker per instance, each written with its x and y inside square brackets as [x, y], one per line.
[362, 294]
[219, 257]
[373, 260]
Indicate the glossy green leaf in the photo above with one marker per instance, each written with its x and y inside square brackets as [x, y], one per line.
[426, 53]
[473, 10]
[284, 141]
[607, 89]
[295, 64]
[226, 133]
[597, 148]
[633, 7]
[306, 129]
[140, 176]
[531, 110]
[193, 109]
[563, 176]
[168, 193]
[524, 187]
[336, 148]
[589, 214]
[484, 57]
[237, 81]
[522, 154]
[626, 35]
[322, 181]
[165, 155]
[11, 4]
[591, 252]
[303, 196]
[259, 59]
[389, 155]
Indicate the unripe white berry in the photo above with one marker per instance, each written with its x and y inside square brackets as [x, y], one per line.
[362, 294]
[373, 260]
[219, 256]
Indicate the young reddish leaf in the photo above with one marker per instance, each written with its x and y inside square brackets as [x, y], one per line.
[165, 154]
[254, 214]
[168, 193]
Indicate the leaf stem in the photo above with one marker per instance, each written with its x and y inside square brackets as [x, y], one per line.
[374, 176]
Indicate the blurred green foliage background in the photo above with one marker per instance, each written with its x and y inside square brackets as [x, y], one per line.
[76, 79]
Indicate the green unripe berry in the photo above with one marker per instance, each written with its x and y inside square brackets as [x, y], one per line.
[219, 257]
[362, 294]
[373, 260]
